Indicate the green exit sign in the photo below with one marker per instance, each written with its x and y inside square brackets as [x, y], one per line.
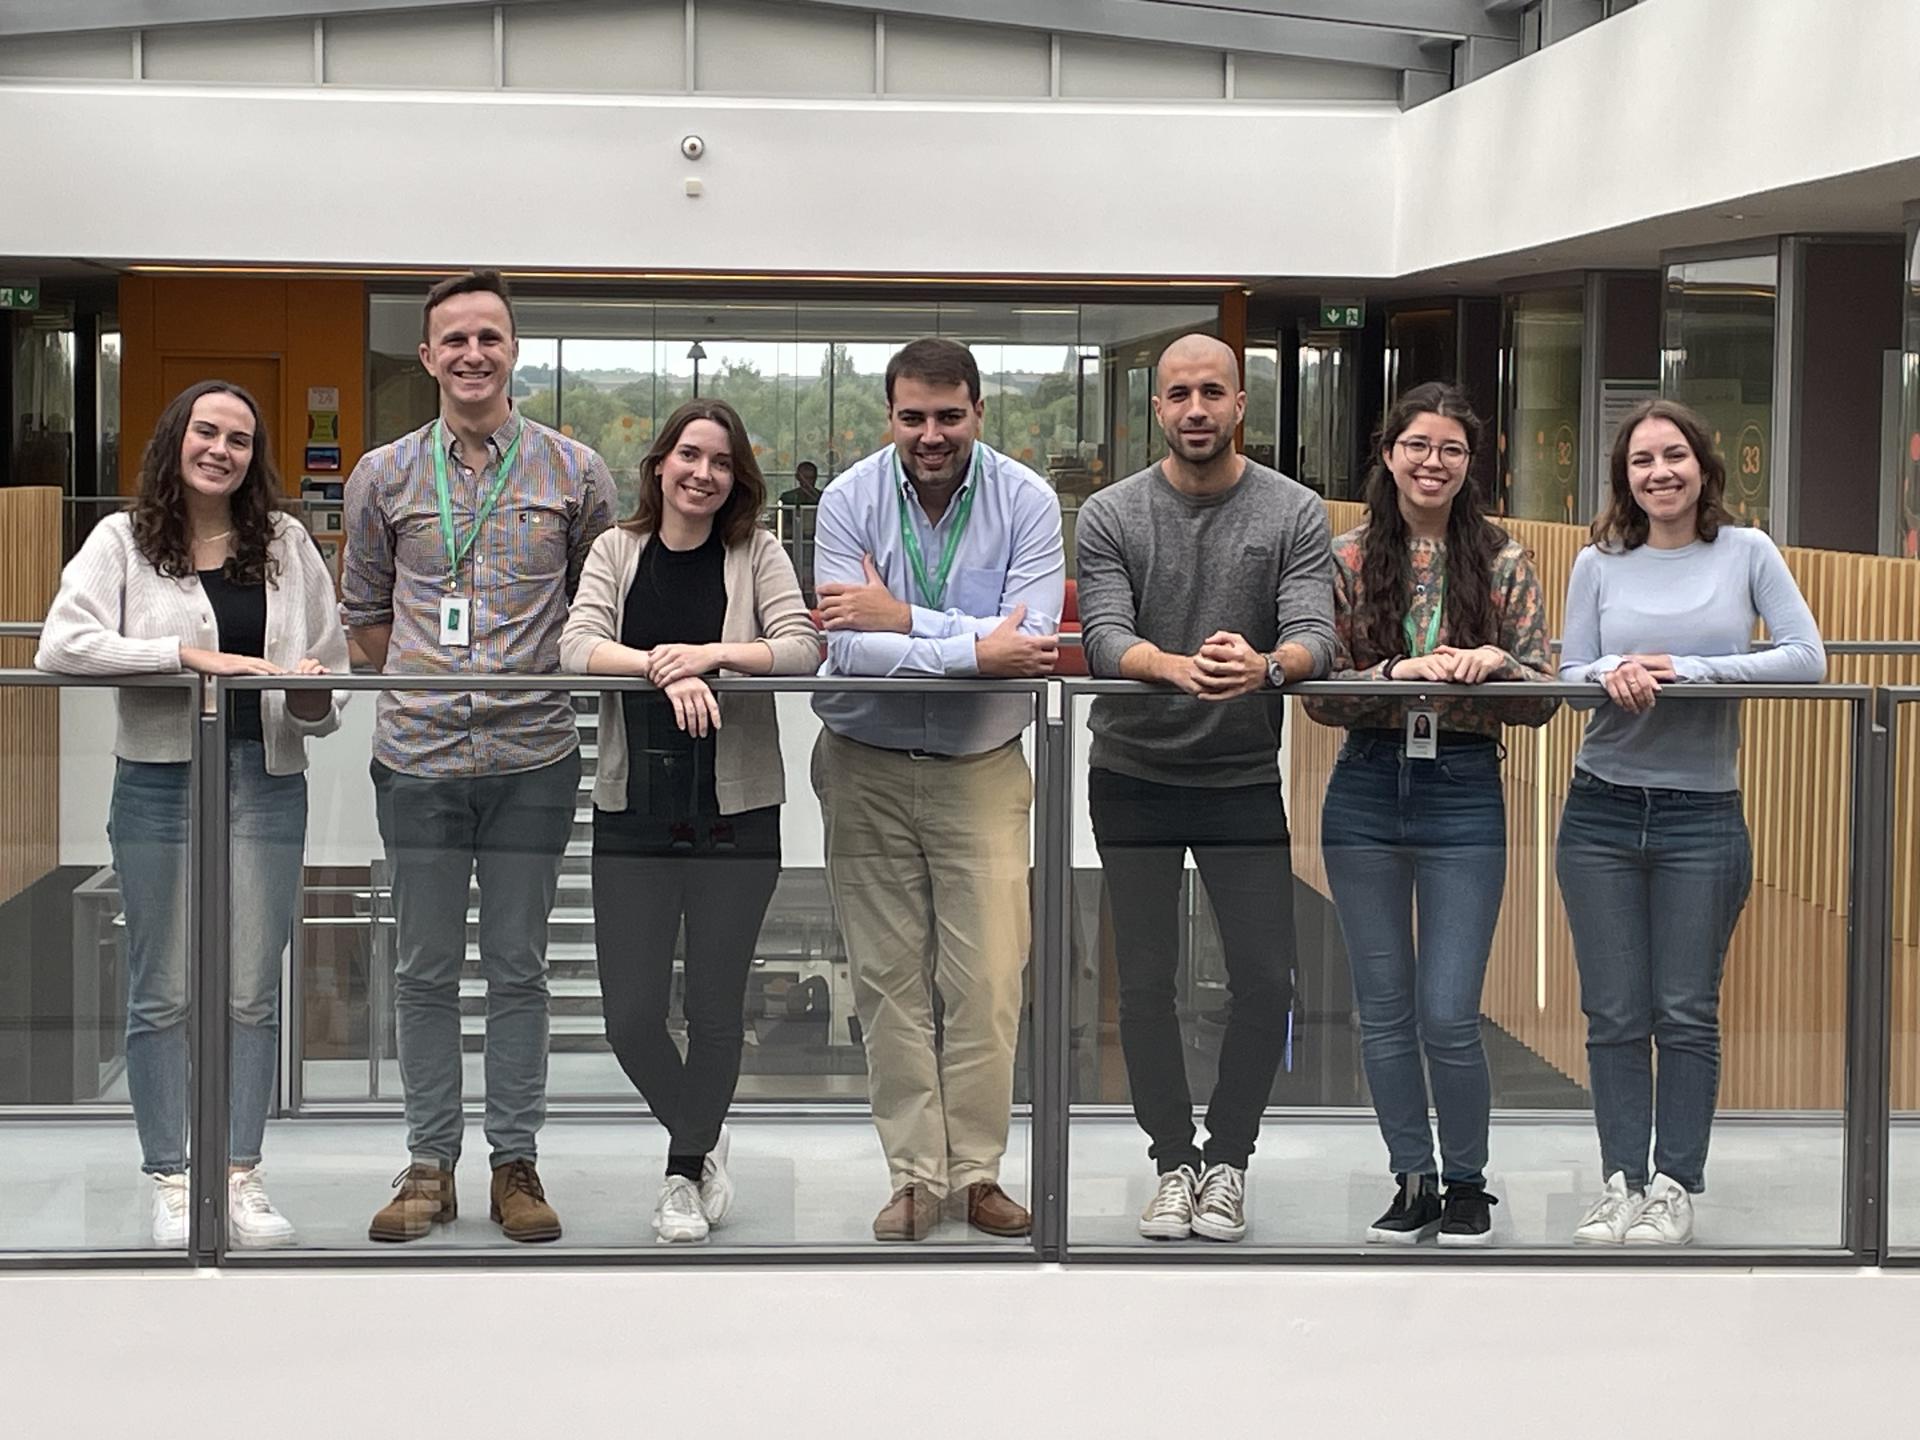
[1342, 314]
[19, 297]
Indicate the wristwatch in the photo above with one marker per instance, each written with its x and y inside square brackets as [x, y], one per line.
[1276, 673]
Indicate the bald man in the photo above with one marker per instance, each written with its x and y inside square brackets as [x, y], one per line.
[1211, 576]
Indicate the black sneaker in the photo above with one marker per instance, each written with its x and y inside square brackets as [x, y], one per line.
[1414, 1214]
[1469, 1216]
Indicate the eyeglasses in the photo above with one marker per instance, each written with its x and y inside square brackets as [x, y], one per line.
[1417, 447]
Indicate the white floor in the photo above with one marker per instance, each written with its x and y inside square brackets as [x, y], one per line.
[1316, 1183]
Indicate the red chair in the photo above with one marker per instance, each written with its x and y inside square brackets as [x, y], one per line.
[1072, 660]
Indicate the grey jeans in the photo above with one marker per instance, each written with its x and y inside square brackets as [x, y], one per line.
[442, 834]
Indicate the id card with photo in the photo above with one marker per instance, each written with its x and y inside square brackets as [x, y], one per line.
[456, 621]
[1423, 735]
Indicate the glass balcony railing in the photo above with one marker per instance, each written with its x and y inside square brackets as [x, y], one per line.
[1813, 1114]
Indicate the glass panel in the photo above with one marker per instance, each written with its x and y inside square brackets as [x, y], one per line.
[1540, 423]
[1718, 358]
[94, 985]
[43, 403]
[1179, 992]
[1262, 429]
[1906, 519]
[1903, 1214]
[1326, 413]
[765, 955]
[1421, 346]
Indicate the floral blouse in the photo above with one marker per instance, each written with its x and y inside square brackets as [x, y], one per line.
[1518, 611]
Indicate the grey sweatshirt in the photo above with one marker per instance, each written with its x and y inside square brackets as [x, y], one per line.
[1165, 567]
[1697, 604]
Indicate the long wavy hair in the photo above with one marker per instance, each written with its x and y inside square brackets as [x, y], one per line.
[1386, 566]
[740, 512]
[159, 509]
[1621, 523]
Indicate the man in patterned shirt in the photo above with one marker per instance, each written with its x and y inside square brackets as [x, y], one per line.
[464, 544]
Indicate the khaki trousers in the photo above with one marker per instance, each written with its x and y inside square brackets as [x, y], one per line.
[927, 869]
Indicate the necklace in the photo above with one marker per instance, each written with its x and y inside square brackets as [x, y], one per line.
[209, 539]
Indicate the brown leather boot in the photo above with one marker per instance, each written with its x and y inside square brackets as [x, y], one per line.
[910, 1215]
[520, 1206]
[426, 1199]
[991, 1209]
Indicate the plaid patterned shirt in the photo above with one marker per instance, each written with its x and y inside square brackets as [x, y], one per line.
[519, 576]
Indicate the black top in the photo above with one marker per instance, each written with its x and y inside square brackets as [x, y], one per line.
[240, 617]
[677, 597]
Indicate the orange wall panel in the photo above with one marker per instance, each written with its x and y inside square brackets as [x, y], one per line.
[315, 329]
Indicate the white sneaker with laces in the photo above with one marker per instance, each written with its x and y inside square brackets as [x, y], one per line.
[1169, 1215]
[716, 1186]
[1612, 1214]
[1667, 1218]
[1220, 1208]
[677, 1216]
[170, 1211]
[251, 1218]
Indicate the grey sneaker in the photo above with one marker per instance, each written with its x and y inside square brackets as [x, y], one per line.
[1169, 1215]
[1220, 1208]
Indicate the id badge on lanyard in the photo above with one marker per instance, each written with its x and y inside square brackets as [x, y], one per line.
[456, 611]
[456, 621]
[1423, 723]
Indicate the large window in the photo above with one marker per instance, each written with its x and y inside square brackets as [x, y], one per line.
[1718, 358]
[1540, 411]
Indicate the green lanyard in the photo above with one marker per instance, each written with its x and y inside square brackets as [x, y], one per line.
[933, 589]
[1433, 620]
[458, 551]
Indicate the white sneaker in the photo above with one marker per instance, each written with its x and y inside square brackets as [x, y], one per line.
[251, 1218]
[1220, 1207]
[716, 1186]
[1667, 1218]
[170, 1211]
[677, 1216]
[1612, 1214]
[1169, 1215]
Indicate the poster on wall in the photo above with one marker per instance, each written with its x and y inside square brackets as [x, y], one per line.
[1617, 397]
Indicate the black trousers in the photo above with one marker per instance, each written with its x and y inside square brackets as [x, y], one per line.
[1243, 851]
[643, 890]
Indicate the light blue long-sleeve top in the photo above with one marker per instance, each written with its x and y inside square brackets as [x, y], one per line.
[1698, 604]
[1010, 554]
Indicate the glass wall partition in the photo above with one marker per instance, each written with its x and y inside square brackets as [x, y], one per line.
[1196, 1032]
[1905, 520]
[627, 988]
[1903, 895]
[808, 379]
[95, 917]
[1540, 410]
[1718, 358]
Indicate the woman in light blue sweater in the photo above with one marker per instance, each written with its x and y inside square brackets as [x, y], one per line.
[1654, 859]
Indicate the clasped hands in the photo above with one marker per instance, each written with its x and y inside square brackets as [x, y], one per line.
[1451, 665]
[1004, 652]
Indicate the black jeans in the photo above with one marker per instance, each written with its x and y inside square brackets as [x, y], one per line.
[642, 889]
[1240, 844]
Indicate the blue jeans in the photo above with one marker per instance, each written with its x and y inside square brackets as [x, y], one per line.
[147, 829]
[1654, 882]
[1401, 835]
[442, 835]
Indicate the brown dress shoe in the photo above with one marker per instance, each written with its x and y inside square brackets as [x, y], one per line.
[910, 1215]
[991, 1209]
[520, 1206]
[426, 1199]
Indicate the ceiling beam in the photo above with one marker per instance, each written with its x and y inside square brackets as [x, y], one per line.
[1449, 19]
[1308, 29]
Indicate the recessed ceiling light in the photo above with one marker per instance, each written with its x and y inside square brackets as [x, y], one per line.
[1732, 215]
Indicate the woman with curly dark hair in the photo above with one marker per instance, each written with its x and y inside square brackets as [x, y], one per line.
[1427, 589]
[203, 572]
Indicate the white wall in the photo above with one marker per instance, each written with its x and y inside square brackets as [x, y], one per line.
[955, 187]
[844, 1354]
[1662, 109]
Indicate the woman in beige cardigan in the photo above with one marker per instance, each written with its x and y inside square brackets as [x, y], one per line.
[686, 818]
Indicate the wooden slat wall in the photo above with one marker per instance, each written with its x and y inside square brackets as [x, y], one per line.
[29, 719]
[1784, 999]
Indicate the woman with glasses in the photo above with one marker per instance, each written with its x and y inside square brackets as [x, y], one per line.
[1654, 860]
[686, 803]
[1426, 590]
[204, 572]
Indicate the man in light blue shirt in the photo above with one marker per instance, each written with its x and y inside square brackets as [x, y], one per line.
[935, 557]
